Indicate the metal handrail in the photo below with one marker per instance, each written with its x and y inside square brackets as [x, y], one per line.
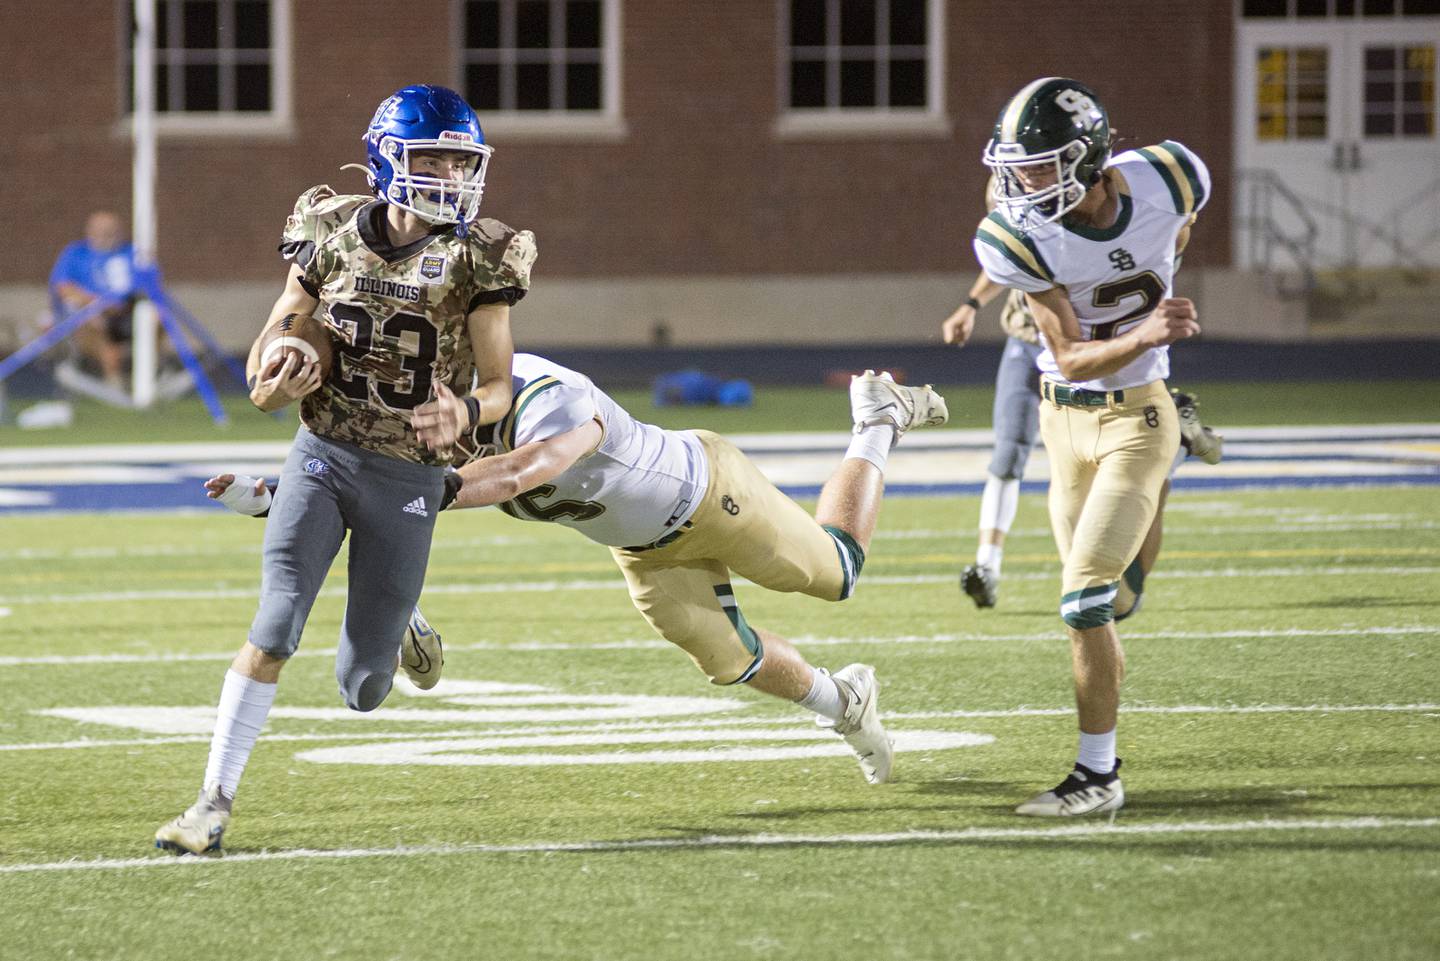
[1265, 191]
[1265, 188]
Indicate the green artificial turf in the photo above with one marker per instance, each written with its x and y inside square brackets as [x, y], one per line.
[1281, 737]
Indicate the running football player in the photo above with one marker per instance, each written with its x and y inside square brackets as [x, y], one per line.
[416, 290]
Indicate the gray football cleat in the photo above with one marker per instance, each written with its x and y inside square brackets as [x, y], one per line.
[1199, 440]
[876, 399]
[421, 654]
[200, 828]
[861, 727]
[980, 584]
[1083, 792]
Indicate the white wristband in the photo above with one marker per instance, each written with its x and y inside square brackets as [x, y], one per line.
[241, 498]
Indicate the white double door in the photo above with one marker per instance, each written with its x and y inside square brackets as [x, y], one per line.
[1343, 115]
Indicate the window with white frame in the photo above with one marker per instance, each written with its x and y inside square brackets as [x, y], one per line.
[216, 59]
[862, 56]
[539, 57]
[1400, 90]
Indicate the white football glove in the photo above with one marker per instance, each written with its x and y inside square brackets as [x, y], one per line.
[241, 498]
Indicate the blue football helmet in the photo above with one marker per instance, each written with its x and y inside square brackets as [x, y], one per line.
[419, 118]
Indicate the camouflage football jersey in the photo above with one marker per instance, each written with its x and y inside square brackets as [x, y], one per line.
[398, 315]
[1016, 319]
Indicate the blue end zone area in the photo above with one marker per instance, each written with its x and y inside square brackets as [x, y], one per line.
[76, 498]
[1200, 360]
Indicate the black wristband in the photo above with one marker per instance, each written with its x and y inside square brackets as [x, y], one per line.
[453, 483]
[972, 302]
[472, 407]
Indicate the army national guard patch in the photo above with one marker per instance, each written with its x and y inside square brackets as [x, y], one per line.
[432, 269]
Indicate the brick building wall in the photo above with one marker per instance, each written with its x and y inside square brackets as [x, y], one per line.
[700, 185]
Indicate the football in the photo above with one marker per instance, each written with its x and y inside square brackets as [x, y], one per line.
[300, 334]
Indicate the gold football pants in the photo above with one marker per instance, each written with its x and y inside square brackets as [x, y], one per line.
[743, 524]
[1107, 465]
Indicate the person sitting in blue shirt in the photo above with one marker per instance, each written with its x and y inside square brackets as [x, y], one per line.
[101, 265]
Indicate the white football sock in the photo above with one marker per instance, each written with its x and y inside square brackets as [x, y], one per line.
[244, 705]
[873, 444]
[1097, 751]
[824, 698]
[998, 503]
[989, 555]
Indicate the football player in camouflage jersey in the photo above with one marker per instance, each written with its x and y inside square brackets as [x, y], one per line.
[416, 291]
[681, 510]
[1093, 241]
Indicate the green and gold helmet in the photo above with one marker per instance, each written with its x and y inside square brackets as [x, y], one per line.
[1050, 144]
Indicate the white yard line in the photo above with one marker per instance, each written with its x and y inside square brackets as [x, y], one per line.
[1311, 524]
[729, 725]
[616, 583]
[961, 836]
[110, 551]
[1181, 709]
[659, 645]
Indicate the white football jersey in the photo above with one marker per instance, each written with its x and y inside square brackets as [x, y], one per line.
[1114, 277]
[641, 483]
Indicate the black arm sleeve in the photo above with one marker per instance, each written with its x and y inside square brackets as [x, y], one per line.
[298, 252]
[507, 295]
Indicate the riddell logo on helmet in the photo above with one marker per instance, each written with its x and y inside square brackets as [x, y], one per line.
[459, 135]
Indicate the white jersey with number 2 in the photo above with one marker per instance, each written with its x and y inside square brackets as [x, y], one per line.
[1116, 276]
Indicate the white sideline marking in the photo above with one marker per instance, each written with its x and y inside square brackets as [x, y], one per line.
[1177, 709]
[110, 551]
[83, 743]
[659, 645]
[1067, 832]
[25, 498]
[1294, 523]
[568, 707]
[615, 583]
[487, 751]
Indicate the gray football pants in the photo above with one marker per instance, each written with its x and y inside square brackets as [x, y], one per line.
[389, 506]
[1016, 415]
